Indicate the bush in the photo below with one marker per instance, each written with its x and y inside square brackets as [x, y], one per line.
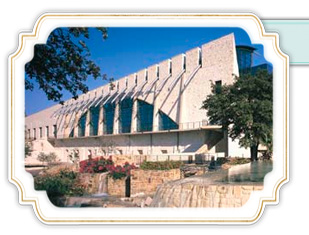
[100, 165]
[28, 148]
[166, 165]
[118, 172]
[95, 165]
[47, 158]
[238, 161]
[63, 184]
[222, 160]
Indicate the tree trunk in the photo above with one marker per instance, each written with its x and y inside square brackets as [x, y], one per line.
[254, 152]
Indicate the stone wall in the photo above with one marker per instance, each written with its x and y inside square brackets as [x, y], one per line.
[116, 187]
[94, 183]
[197, 195]
[147, 181]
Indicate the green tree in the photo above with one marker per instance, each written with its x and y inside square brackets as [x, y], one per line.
[63, 63]
[245, 110]
[47, 158]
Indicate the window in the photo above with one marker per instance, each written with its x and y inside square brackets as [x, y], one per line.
[125, 115]
[47, 131]
[82, 125]
[184, 62]
[55, 131]
[41, 132]
[109, 113]
[144, 116]
[29, 133]
[170, 67]
[218, 87]
[71, 135]
[166, 123]
[94, 120]
[200, 56]
[34, 133]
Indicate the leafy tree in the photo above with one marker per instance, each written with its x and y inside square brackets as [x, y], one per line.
[245, 110]
[63, 63]
[47, 158]
[28, 148]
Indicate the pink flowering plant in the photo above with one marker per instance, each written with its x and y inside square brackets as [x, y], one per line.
[95, 165]
[118, 172]
[101, 164]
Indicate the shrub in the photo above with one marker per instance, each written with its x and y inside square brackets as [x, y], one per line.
[222, 160]
[95, 165]
[47, 158]
[63, 184]
[101, 164]
[238, 161]
[166, 165]
[28, 148]
[118, 172]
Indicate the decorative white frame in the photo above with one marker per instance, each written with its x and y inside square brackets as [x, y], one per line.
[247, 214]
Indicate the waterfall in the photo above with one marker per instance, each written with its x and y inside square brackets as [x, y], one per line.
[102, 185]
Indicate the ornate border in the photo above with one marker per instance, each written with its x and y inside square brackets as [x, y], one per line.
[34, 202]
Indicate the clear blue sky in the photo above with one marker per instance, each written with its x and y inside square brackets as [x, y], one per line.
[128, 50]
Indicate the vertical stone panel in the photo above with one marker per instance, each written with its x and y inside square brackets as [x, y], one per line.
[168, 100]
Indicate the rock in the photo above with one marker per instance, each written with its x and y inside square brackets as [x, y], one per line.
[148, 201]
[199, 192]
[190, 170]
[225, 166]
[138, 195]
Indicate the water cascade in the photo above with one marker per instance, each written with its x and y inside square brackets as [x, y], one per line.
[102, 186]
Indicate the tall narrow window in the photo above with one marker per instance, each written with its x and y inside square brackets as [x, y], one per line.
[41, 132]
[71, 135]
[184, 62]
[82, 125]
[218, 87]
[125, 115]
[170, 67]
[29, 133]
[47, 131]
[94, 120]
[55, 131]
[144, 116]
[34, 133]
[199, 56]
[109, 114]
[146, 75]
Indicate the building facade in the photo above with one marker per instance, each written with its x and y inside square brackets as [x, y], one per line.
[155, 112]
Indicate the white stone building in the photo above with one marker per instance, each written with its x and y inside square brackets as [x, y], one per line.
[155, 112]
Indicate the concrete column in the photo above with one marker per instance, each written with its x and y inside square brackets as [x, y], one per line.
[134, 117]
[66, 129]
[101, 121]
[87, 127]
[181, 104]
[155, 123]
[76, 124]
[116, 119]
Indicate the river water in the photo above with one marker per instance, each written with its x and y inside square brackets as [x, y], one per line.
[245, 173]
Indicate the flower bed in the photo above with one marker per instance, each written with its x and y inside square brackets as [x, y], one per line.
[101, 164]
